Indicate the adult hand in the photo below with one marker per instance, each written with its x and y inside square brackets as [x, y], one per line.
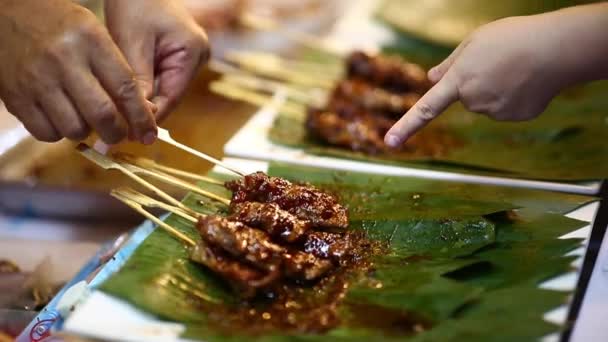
[163, 44]
[505, 70]
[62, 75]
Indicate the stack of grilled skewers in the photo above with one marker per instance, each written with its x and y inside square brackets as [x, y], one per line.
[276, 231]
[351, 105]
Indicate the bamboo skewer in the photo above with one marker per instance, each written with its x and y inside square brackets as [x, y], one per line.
[175, 181]
[148, 163]
[264, 85]
[274, 67]
[164, 135]
[265, 24]
[150, 202]
[139, 208]
[271, 68]
[108, 164]
[255, 98]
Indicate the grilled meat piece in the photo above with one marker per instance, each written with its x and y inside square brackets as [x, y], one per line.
[243, 278]
[246, 256]
[304, 201]
[305, 266]
[364, 132]
[344, 125]
[271, 219]
[241, 242]
[373, 99]
[390, 73]
[334, 246]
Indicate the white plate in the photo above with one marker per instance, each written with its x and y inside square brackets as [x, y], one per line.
[116, 316]
[251, 142]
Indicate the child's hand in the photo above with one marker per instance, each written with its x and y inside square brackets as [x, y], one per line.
[510, 69]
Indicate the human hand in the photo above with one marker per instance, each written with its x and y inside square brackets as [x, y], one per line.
[162, 43]
[505, 69]
[62, 75]
[215, 15]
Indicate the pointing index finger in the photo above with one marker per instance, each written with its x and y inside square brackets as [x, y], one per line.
[431, 105]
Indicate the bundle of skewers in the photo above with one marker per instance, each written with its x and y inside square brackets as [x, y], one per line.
[276, 231]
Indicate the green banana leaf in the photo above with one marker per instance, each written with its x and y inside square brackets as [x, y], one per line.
[449, 22]
[566, 143]
[452, 271]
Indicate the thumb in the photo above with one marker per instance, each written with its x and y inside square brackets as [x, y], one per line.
[433, 103]
[436, 73]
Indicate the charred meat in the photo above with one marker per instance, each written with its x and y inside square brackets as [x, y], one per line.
[262, 244]
[390, 73]
[373, 99]
[363, 133]
[240, 241]
[305, 266]
[247, 258]
[362, 108]
[270, 218]
[243, 278]
[334, 246]
[304, 201]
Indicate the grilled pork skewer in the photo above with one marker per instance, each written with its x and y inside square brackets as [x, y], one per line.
[390, 73]
[304, 201]
[225, 241]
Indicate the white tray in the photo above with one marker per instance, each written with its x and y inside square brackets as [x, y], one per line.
[106, 317]
[251, 142]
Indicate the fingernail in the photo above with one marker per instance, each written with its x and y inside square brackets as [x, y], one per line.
[432, 74]
[149, 138]
[392, 140]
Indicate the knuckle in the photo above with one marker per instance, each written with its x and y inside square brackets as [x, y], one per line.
[198, 39]
[89, 26]
[56, 52]
[76, 131]
[426, 112]
[31, 71]
[105, 115]
[197, 48]
[90, 30]
[127, 89]
[142, 123]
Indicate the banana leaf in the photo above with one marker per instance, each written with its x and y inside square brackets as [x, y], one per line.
[448, 23]
[564, 144]
[453, 267]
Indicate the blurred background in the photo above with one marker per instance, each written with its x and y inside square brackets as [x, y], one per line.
[55, 211]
